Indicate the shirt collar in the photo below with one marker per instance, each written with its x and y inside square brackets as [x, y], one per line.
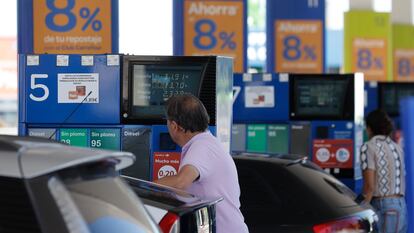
[380, 137]
[188, 144]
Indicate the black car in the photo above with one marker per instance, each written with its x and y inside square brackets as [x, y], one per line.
[291, 194]
[175, 210]
[50, 187]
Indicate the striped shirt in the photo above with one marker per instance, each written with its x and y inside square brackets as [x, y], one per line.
[386, 158]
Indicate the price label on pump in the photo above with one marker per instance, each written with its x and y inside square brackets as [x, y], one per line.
[70, 26]
[165, 164]
[404, 65]
[299, 46]
[369, 56]
[215, 28]
[108, 139]
[74, 137]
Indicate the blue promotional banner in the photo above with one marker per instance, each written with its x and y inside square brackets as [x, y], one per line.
[67, 26]
[205, 27]
[295, 36]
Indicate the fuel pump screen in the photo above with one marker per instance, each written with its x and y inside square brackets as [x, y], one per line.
[320, 98]
[154, 84]
[391, 94]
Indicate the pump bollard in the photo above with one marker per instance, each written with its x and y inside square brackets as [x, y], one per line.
[407, 110]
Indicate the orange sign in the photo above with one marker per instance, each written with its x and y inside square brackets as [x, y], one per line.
[404, 65]
[71, 26]
[369, 56]
[215, 28]
[333, 153]
[299, 46]
[165, 164]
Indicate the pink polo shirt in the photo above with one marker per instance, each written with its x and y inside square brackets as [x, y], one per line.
[218, 178]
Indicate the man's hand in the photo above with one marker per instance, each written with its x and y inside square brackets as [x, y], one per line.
[185, 177]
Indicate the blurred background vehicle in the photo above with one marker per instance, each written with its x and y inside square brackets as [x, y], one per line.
[175, 210]
[51, 187]
[291, 194]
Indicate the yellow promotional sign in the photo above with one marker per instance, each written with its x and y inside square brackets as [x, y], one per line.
[70, 26]
[368, 57]
[299, 46]
[214, 28]
[404, 65]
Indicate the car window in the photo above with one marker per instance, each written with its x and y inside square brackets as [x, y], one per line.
[106, 201]
[17, 213]
[264, 195]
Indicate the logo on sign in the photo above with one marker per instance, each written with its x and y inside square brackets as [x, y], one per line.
[342, 155]
[322, 154]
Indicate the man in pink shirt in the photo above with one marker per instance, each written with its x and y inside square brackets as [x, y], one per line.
[206, 169]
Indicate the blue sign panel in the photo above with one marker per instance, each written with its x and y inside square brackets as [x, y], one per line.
[370, 97]
[69, 89]
[260, 98]
[407, 110]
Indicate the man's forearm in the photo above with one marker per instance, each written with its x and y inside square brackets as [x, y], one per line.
[182, 180]
[171, 181]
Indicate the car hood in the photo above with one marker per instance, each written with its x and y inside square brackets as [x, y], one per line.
[40, 156]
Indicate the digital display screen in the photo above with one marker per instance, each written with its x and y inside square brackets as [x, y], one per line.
[154, 84]
[316, 97]
[391, 94]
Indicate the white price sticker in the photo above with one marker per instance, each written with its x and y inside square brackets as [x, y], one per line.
[62, 60]
[166, 170]
[322, 154]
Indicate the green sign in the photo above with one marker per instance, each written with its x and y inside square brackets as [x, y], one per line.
[74, 137]
[403, 52]
[256, 138]
[367, 44]
[105, 139]
[278, 139]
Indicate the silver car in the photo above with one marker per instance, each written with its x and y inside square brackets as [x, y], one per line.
[49, 187]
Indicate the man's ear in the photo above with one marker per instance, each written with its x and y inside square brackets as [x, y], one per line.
[177, 126]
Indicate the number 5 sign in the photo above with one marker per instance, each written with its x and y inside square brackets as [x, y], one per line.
[68, 26]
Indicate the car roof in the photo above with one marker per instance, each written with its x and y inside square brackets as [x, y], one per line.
[41, 156]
